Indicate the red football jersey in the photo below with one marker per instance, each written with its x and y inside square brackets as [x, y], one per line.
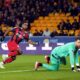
[19, 35]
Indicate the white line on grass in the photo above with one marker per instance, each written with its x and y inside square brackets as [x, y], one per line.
[15, 71]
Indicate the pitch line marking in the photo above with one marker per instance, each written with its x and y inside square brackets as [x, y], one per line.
[15, 71]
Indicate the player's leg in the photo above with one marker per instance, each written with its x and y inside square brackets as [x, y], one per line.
[55, 62]
[47, 58]
[53, 66]
[5, 56]
[11, 56]
[9, 60]
[10, 46]
[13, 48]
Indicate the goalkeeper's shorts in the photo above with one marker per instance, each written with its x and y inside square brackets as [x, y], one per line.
[61, 59]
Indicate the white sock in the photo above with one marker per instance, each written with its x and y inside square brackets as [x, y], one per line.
[4, 56]
[2, 63]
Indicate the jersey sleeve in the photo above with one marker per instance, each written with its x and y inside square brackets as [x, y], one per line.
[26, 37]
[71, 55]
[76, 58]
[13, 29]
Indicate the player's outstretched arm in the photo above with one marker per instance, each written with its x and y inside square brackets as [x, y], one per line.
[3, 37]
[8, 30]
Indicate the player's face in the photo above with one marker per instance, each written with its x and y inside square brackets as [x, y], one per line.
[25, 26]
[78, 43]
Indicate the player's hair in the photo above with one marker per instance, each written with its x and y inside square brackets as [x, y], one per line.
[77, 38]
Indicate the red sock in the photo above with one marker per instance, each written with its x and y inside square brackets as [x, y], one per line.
[8, 60]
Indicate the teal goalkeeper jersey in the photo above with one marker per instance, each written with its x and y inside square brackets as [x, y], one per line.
[65, 50]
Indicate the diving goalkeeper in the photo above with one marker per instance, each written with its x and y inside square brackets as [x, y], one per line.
[59, 54]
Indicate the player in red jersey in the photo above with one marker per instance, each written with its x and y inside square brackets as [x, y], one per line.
[18, 35]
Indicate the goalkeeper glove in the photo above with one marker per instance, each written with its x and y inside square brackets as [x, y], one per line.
[78, 68]
[73, 69]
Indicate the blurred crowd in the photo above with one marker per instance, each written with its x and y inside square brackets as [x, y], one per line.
[10, 10]
[48, 33]
[68, 26]
[14, 12]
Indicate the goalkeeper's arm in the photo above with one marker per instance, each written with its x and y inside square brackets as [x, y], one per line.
[77, 61]
[74, 59]
[71, 55]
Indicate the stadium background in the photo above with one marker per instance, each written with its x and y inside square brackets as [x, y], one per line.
[45, 19]
[54, 17]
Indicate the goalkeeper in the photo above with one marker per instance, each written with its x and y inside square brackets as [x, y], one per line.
[58, 56]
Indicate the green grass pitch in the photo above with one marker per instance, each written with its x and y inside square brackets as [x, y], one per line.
[22, 69]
